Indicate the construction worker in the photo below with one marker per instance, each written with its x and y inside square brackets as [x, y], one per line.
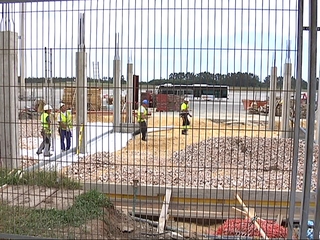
[45, 131]
[184, 113]
[65, 127]
[142, 116]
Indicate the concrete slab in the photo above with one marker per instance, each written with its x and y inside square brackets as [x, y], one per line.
[60, 200]
[32, 196]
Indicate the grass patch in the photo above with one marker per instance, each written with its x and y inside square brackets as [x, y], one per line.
[40, 178]
[46, 222]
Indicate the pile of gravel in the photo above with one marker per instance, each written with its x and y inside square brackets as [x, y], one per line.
[230, 162]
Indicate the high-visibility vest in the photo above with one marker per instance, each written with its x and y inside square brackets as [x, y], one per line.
[45, 123]
[67, 119]
[145, 112]
[184, 107]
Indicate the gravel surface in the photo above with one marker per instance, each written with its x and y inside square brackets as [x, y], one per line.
[229, 162]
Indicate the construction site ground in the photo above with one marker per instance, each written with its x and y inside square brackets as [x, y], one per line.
[40, 197]
[114, 224]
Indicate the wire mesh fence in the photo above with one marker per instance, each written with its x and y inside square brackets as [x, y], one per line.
[155, 119]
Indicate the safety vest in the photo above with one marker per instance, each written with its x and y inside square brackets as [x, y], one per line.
[184, 107]
[145, 112]
[45, 123]
[67, 119]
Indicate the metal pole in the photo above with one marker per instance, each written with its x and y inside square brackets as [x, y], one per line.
[296, 120]
[317, 140]
[307, 173]
[22, 50]
[316, 229]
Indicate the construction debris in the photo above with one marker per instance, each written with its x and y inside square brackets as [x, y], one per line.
[246, 228]
[251, 226]
[250, 213]
[257, 107]
[32, 112]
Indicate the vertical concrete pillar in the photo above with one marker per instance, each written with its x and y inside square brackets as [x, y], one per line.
[272, 98]
[9, 124]
[129, 92]
[81, 103]
[22, 50]
[116, 88]
[285, 117]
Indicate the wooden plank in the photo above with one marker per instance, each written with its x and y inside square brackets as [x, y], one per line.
[196, 214]
[251, 214]
[164, 211]
[206, 211]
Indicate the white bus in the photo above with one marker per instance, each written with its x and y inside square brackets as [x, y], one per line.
[196, 91]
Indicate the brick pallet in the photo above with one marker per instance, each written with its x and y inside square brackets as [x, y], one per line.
[94, 98]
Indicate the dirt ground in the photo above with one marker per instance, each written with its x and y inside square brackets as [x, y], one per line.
[170, 141]
[117, 225]
[164, 143]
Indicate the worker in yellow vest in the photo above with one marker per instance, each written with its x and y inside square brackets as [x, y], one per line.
[142, 116]
[45, 131]
[184, 113]
[65, 127]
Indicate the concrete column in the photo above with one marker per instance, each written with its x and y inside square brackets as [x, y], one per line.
[22, 50]
[129, 93]
[272, 98]
[285, 121]
[116, 95]
[81, 103]
[116, 88]
[9, 127]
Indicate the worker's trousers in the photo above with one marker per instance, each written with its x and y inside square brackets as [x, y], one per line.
[185, 123]
[65, 135]
[142, 129]
[46, 144]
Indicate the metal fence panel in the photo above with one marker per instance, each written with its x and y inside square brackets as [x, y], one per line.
[223, 169]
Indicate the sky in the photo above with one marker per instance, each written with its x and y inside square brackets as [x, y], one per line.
[162, 37]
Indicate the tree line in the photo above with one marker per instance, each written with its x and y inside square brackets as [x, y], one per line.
[239, 79]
